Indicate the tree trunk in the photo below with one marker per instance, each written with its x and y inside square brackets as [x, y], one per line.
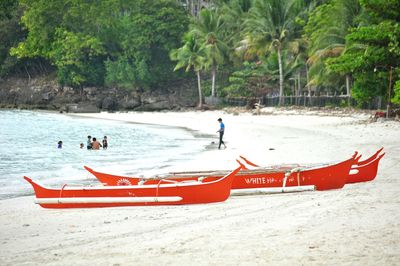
[308, 82]
[298, 88]
[388, 107]
[298, 84]
[213, 74]
[280, 76]
[348, 85]
[199, 87]
[348, 90]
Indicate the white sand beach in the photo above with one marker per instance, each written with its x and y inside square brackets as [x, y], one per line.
[356, 225]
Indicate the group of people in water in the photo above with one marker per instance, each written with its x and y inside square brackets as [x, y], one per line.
[92, 144]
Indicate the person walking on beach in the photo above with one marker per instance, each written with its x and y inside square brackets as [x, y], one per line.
[221, 133]
[89, 142]
[105, 143]
[95, 144]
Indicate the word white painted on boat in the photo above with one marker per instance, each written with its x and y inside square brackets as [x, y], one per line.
[262, 180]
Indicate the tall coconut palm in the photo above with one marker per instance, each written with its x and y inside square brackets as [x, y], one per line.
[209, 29]
[190, 55]
[326, 30]
[270, 27]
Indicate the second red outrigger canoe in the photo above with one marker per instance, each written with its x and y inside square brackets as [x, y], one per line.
[323, 177]
[361, 171]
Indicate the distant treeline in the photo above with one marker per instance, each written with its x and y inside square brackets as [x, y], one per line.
[233, 48]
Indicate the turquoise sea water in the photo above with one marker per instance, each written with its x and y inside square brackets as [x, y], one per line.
[28, 146]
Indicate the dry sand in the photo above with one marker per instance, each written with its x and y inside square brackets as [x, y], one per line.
[357, 225]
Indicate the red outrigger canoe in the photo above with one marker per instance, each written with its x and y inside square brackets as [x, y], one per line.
[165, 192]
[332, 176]
[361, 171]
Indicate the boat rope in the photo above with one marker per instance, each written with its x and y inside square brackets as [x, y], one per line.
[62, 189]
[298, 178]
[159, 183]
[297, 170]
[287, 174]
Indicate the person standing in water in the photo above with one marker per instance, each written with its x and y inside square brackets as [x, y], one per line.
[95, 144]
[89, 142]
[221, 133]
[59, 145]
[105, 143]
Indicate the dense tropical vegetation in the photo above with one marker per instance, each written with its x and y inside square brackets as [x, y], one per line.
[231, 47]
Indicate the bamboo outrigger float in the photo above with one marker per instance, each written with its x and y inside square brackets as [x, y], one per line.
[165, 192]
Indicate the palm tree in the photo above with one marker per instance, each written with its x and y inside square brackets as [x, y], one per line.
[270, 27]
[190, 55]
[327, 28]
[209, 29]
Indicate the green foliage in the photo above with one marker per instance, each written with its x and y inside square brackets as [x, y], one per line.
[326, 29]
[190, 55]
[396, 98]
[210, 31]
[369, 85]
[243, 82]
[10, 34]
[76, 55]
[147, 35]
[234, 14]
[120, 73]
[271, 27]
[258, 44]
[382, 9]
[371, 48]
[258, 78]
[88, 41]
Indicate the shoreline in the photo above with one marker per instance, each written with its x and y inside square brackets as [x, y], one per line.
[359, 224]
[240, 142]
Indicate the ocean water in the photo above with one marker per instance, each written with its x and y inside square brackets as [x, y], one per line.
[28, 146]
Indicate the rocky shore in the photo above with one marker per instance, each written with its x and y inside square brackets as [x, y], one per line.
[45, 93]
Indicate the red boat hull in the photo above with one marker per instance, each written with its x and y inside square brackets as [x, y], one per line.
[323, 178]
[190, 193]
[364, 172]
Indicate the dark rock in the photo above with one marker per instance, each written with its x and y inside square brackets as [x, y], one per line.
[155, 106]
[109, 103]
[130, 103]
[87, 108]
